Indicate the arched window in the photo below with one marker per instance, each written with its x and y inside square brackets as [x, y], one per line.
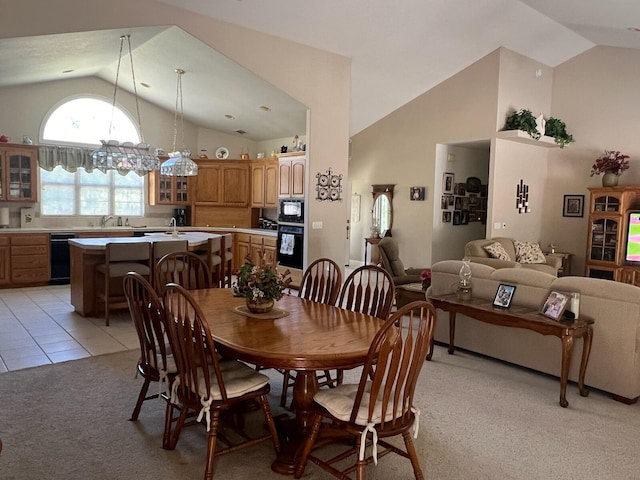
[85, 121]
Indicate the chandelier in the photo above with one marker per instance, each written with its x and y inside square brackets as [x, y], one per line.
[179, 162]
[125, 156]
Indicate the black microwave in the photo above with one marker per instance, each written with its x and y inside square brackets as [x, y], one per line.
[291, 211]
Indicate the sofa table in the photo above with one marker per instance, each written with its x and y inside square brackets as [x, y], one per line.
[522, 317]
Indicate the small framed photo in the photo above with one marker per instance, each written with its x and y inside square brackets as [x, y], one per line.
[456, 217]
[555, 304]
[446, 216]
[504, 295]
[573, 206]
[417, 193]
[447, 182]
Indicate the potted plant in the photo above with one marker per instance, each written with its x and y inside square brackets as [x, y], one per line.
[261, 285]
[523, 120]
[557, 129]
[612, 163]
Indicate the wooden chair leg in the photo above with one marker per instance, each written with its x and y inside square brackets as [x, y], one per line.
[211, 445]
[271, 424]
[413, 455]
[141, 396]
[106, 300]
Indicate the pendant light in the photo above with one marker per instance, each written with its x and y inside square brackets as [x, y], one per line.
[125, 156]
[179, 162]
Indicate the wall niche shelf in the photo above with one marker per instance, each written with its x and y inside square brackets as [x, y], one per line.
[523, 137]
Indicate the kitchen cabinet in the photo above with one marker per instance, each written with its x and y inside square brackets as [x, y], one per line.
[30, 259]
[18, 174]
[223, 183]
[264, 183]
[292, 168]
[606, 236]
[251, 245]
[5, 260]
[168, 190]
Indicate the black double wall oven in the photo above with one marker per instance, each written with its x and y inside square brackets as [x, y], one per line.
[290, 243]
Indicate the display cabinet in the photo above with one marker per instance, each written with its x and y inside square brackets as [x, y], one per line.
[18, 177]
[168, 190]
[606, 236]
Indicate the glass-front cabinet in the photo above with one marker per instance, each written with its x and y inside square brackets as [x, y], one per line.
[18, 178]
[168, 190]
[606, 237]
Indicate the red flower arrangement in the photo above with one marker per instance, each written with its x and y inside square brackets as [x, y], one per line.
[425, 274]
[611, 161]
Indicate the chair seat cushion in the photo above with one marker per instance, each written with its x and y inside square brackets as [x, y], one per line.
[339, 402]
[120, 269]
[238, 378]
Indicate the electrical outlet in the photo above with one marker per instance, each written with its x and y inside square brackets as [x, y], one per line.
[316, 225]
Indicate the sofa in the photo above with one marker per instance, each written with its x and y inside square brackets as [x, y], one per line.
[475, 251]
[614, 364]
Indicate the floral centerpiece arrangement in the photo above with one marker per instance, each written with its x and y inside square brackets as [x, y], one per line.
[425, 276]
[612, 161]
[260, 284]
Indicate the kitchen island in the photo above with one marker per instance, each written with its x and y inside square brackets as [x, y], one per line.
[86, 253]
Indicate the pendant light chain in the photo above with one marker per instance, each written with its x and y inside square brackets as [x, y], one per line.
[115, 86]
[135, 90]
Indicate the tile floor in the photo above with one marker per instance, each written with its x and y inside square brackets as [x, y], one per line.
[38, 326]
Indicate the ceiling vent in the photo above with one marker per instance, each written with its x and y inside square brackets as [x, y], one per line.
[241, 132]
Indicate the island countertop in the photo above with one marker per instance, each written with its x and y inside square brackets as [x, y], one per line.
[195, 239]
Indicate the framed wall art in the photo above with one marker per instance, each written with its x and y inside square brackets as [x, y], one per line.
[447, 182]
[573, 206]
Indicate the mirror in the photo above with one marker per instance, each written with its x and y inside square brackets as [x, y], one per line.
[382, 212]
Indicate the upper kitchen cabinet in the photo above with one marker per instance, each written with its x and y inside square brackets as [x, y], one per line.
[18, 164]
[168, 190]
[292, 174]
[264, 183]
[224, 183]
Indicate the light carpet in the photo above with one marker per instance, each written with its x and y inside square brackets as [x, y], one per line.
[481, 419]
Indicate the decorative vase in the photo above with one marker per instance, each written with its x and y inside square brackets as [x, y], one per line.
[610, 179]
[464, 285]
[259, 306]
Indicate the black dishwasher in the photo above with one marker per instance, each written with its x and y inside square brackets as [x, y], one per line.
[60, 259]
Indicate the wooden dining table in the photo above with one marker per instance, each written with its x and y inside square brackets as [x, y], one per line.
[310, 336]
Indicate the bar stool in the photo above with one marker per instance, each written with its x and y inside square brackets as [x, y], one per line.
[120, 258]
[165, 247]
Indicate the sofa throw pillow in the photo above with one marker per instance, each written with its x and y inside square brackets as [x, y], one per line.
[529, 252]
[496, 250]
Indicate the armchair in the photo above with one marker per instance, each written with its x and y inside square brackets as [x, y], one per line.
[389, 255]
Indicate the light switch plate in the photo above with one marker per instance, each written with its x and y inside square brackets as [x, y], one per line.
[316, 225]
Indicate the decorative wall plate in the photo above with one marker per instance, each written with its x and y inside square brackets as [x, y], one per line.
[222, 153]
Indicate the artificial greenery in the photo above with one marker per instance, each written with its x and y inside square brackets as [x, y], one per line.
[557, 129]
[523, 120]
[261, 281]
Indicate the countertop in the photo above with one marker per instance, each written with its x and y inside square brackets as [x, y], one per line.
[194, 239]
[158, 228]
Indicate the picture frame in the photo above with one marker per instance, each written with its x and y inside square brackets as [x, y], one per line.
[504, 295]
[555, 304]
[573, 206]
[448, 182]
[417, 193]
[456, 217]
[446, 216]
[464, 217]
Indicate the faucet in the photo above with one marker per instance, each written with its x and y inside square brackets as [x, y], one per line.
[104, 220]
[172, 223]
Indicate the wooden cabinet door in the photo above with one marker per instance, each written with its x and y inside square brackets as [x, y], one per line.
[235, 181]
[297, 178]
[208, 183]
[20, 182]
[271, 184]
[5, 261]
[257, 185]
[284, 189]
[242, 250]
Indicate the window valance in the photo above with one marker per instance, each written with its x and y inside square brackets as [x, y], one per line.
[70, 158]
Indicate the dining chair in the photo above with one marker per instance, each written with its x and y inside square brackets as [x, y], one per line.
[368, 289]
[383, 406]
[156, 362]
[321, 282]
[120, 258]
[184, 268]
[207, 385]
[212, 255]
[164, 247]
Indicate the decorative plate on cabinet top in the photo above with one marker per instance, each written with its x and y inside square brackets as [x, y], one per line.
[222, 153]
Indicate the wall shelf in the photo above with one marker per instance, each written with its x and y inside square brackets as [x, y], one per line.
[523, 137]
